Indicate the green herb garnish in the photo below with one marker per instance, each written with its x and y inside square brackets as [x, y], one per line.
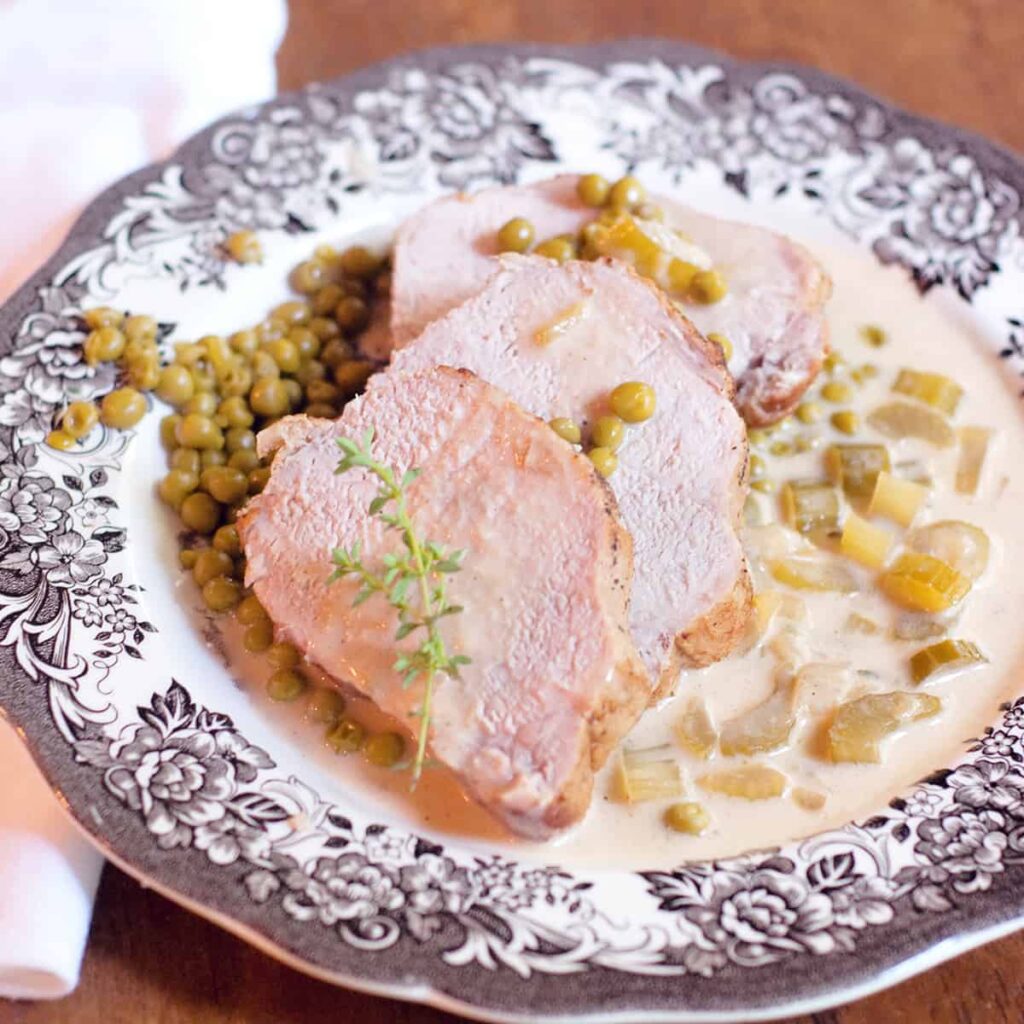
[413, 582]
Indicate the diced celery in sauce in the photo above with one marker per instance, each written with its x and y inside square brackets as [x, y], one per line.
[810, 506]
[944, 658]
[974, 442]
[763, 728]
[695, 731]
[649, 774]
[923, 583]
[855, 467]
[749, 782]
[814, 574]
[857, 623]
[864, 542]
[896, 499]
[931, 388]
[563, 323]
[904, 419]
[859, 726]
[961, 545]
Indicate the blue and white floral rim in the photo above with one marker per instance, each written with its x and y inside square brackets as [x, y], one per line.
[188, 789]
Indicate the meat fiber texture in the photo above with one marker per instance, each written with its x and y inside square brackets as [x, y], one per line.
[680, 481]
[773, 313]
[554, 680]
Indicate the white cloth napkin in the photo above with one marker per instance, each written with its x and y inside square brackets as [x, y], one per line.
[88, 93]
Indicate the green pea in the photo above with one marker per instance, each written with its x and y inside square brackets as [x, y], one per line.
[103, 345]
[324, 327]
[325, 300]
[293, 313]
[593, 189]
[102, 316]
[285, 685]
[238, 438]
[187, 558]
[244, 459]
[307, 343]
[198, 431]
[293, 390]
[221, 594]
[566, 429]
[352, 377]
[283, 655]
[269, 397]
[168, 431]
[199, 512]
[236, 413]
[837, 391]
[211, 457]
[515, 235]
[808, 412]
[234, 379]
[176, 486]
[140, 328]
[846, 421]
[250, 611]
[604, 459]
[688, 817]
[258, 637]
[707, 287]
[633, 401]
[357, 261]
[626, 193]
[175, 385]
[186, 459]
[285, 353]
[226, 540]
[122, 409]
[61, 440]
[307, 277]
[322, 391]
[385, 749]
[310, 372]
[346, 736]
[79, 418]
[337, 352]
[225, 484]
[211, 563]
[559, 249]
[245, 343]
[608, 432]
[325, 705]
[352, 314]
[204, 403]
[258, 478]
[321, 410]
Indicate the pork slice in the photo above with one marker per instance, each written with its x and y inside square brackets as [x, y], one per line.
[773, 313]
[680, 481]
[554, 679]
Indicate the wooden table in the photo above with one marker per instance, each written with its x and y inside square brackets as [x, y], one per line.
[959, 60]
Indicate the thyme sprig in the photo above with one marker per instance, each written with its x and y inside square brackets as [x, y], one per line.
[413, 581]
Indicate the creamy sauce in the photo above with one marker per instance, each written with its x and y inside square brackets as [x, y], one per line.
[924, 336]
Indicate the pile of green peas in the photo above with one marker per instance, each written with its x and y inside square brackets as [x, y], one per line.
[627, 195]
[630, 402]
[302, 358]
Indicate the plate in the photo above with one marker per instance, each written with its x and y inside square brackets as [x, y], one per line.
[189, 783]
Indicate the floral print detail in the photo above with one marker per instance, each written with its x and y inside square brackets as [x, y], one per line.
[952, 224]
[468, 120]
[185, 782]
[32, 507]
[69, 559]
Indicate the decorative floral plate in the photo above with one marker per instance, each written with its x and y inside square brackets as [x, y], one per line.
[190, 785]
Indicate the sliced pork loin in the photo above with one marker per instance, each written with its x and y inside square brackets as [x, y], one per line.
[555, 680]
[680, 481]
[772, 314]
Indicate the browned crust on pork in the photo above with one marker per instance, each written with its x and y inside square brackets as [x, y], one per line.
[760, 401]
